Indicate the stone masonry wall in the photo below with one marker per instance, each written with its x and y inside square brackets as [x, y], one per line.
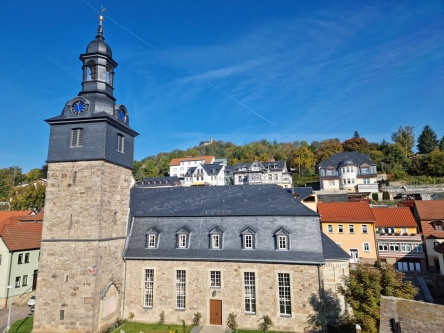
[304, 282]
[84, 229]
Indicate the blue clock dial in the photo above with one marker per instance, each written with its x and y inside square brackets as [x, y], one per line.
[122, 115]
[78, 107]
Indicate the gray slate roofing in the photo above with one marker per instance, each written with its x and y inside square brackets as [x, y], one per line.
[212, 169]
[190, 172]
[331, 250]
[280, 165]
[347, 158]
[303, 192]
[333, 197]
[159, 181]
[251, 200]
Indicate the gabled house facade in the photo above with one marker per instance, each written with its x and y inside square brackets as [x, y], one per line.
[257, 173]
[180, 166]
[351, 225]
[398, 240]
[19, 256]
[351, 171]
[205, 174]
[430, 216]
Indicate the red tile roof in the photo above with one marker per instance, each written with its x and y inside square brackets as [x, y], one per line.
[345, 212]
[207, 159]
[430, 209]
[394, 217]
[7, 213]
[428, 230]
[22, 236]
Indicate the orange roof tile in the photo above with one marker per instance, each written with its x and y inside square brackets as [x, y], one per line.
[394, 217]
[7, 213]
[22, 236]
[207, 159]
[428, 230]
[345, 212]
[430, 209]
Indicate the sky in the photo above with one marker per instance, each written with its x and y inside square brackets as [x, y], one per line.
[237, 71]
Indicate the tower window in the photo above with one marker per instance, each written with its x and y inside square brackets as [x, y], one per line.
[91, 73]
[76, 137]
[109, 75]
[120, 142]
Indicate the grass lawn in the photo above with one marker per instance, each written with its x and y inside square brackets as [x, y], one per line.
[22, 325]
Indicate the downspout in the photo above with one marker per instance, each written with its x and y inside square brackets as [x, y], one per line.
[9, 279]
[124, 290]
[321, 296]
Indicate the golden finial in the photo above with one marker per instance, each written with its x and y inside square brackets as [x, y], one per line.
[101, 16]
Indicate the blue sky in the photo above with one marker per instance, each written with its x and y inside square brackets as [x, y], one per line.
[236, 71]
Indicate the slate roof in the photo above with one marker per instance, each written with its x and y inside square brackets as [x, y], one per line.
[345, 212]
[303, 192]
[347, 158]
[438, 196]
[331, 250]
[160, 181]
[439, 248]
[212, 169]
[280, 165]
[251, 200]
[394, 217]
[430, 209]
[190, 172]
[176, 161]
[340, 197]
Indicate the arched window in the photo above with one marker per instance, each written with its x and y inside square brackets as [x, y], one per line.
[91, 70]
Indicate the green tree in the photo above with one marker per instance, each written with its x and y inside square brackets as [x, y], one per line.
[362, 290]
[434, 163]
[404, 137]
[427, 140]
[327, 309]
[265, 323]
[33, 175]
[31, 196]
[9, 178]
[356, 144]
[441, 144]
[327, 148]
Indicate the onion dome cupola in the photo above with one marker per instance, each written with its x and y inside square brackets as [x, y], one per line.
[92, 126]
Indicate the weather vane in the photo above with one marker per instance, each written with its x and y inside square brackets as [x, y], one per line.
[101, 16]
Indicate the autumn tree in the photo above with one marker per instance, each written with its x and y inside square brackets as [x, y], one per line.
[362, 290]
[427, 140]
[33, 175]
[327, 148]
[304, 160]
[356, 144]
[404, 137]
[31, 196]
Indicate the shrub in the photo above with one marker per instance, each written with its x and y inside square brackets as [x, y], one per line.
[265, 323]
[386, 195]
[196, 319]
[162, 318]
[231, 321]
[131, 316]
[184, 327]
[375, 196]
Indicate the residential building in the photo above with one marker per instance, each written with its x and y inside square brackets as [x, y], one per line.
[256, 173]
[351, 225]
[306, 196]
[248, 250]
[415, 192]
[205, 174]
[439, 249]
[430, 217]
[398, 240]
[19, 255]
[350, 171]
[180, 166]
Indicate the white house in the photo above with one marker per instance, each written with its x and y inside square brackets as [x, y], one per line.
[205, 174]
[351, 171]
[257, 173]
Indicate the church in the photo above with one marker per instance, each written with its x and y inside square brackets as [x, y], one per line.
[109, 248]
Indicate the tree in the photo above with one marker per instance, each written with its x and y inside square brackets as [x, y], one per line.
[304, 160]
[9, 178]
[434, 163]
[427, 140]
[356, 135]
[33, 175]
[265, 323]
[327, 309]
[356, 144]
[31, 196]
[441, 144]
[362, 290]
[404, 137]
[327, 148]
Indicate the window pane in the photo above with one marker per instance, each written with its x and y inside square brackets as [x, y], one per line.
[149, 287]
[215, 278]
[250, 292]
[284, 294]
[180, 289]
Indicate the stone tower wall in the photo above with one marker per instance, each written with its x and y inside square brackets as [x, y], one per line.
[84, 230]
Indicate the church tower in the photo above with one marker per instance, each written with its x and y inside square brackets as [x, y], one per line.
[90, 160]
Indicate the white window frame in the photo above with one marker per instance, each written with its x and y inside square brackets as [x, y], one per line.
[250, 292]
[215, 241]
[383, 246]
[394, 245]
[406, 247]
[248, 241]
[149, 288]
[76, 138]
[351, 228]
[17, 281]
[340, 226]
[364, 229]
[417, 247]
[366, 246]
[330, 228]
[181, 280]
[284, 292]
[215, 279]
[151, 241]
[282, 242]
[182, 241]
[24, 280]
[366, 180]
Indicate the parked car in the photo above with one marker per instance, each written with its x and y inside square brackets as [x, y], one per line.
[32, 308]
[31, 301]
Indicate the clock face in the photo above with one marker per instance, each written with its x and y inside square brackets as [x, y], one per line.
[78, 107]
[122, 115]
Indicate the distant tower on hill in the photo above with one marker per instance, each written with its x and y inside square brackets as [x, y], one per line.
[90, 160]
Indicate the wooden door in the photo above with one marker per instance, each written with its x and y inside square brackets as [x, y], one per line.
[215, 312]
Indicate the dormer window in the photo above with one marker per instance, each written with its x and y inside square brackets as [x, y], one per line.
[182, 239]
[216, 239]
[248, 239]
[152, 239]
[437, 225]
[282, 240]
[364, 170]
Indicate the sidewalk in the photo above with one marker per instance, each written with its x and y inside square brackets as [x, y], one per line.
[18, 312]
